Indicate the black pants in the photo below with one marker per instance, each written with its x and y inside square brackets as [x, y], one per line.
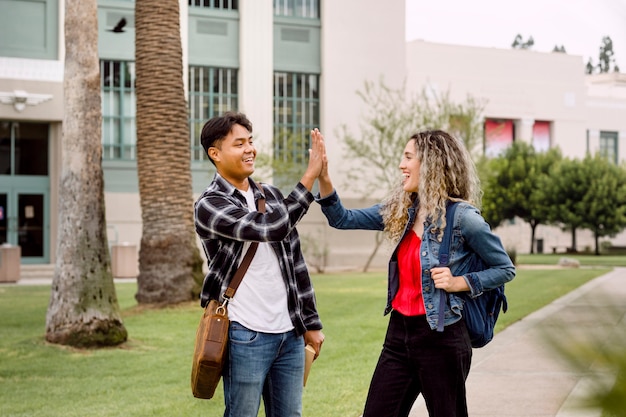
[416, 359]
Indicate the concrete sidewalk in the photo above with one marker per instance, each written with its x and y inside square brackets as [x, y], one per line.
[518, 375]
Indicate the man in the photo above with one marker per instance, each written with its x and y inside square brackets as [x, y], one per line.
[273, 313]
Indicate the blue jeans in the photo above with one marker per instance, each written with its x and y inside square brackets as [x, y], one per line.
[417, 360]
[267, 365]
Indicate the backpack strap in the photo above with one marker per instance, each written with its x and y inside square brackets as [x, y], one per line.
[444, 259]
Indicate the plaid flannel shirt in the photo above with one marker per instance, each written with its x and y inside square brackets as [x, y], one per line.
[223, 223]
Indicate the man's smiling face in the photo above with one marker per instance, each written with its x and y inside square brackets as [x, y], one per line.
[234, 156]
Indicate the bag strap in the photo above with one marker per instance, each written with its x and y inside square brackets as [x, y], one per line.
[247, 259]
[444, 259]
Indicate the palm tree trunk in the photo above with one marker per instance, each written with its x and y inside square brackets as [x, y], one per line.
[170, 266]
[83, 309]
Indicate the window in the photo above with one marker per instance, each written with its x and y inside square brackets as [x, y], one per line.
[309, 9]
[23, 148]
[296, 112]
[608, 146]
[119, 131]
[541, 136]
[212, 91]
[498, 136]
[29, 29]
[215, 4]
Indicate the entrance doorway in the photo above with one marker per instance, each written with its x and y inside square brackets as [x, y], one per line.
[25, 188]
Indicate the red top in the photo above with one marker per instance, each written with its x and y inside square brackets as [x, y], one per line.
[408, 300]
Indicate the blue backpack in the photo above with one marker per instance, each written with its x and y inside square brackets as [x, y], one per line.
[480, 313]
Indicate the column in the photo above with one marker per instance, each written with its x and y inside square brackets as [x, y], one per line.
[256, 91]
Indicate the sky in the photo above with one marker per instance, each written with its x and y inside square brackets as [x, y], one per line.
[578, 25]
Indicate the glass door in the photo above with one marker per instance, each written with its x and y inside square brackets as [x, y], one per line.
[23, 222]
[25, 188]
[30, 225]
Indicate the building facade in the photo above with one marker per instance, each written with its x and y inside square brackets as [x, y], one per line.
[290, 65]
[542, 98]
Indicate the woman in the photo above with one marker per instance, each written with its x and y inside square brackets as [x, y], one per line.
[436, 169]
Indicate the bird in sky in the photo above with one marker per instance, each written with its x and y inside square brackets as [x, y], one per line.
[119, 28]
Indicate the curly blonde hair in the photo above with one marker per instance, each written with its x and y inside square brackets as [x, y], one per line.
[447, 172]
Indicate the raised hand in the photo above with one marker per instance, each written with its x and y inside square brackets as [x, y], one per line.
[317, 154]
[326, 185]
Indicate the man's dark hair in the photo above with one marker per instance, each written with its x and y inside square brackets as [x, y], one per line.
[218, 127]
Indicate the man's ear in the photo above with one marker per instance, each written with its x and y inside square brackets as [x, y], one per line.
[213, 153]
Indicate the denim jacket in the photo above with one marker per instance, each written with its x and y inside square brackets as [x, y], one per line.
[471, 235]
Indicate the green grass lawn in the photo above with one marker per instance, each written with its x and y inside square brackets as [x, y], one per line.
[149, 375]
[585, 259]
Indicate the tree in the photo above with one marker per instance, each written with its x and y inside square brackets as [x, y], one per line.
[564, 194]
[518, 42]
[83, 309]
[606, 56]
[170, 267]
[511, 190]
[604, 203]
[606, 59]
[558, 48]
[589, 68]
[391, 118]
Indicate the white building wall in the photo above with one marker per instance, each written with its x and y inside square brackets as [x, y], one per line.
[361, 41]
[605, 105]
[515, 84]
[123, 214]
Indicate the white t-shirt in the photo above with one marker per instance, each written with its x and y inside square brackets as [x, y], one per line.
[260, 302]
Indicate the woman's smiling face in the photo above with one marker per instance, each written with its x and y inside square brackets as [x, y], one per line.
[410, 167]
